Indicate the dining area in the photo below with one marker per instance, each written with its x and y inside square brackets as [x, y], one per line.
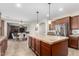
[19, 36]
[17, 33]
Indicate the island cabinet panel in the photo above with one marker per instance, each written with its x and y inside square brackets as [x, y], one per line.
[37, 47]
[30, 42]
[60, 49]
[33, 44]
[45, 49]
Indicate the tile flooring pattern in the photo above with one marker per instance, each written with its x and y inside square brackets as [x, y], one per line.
[20, 48]
[73, 52]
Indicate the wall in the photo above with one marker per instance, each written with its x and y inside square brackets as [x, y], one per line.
[46, 22]
[31, 26]
[5, 28]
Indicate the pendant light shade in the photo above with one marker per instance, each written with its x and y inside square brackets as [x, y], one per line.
[37, 18]
[37, 25]
[49, 22]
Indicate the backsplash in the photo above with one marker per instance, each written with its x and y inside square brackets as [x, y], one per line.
[75, 32]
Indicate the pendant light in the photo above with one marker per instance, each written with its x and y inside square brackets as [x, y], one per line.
[37, 18]
[49, 22]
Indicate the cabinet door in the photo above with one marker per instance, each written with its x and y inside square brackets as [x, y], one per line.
[30, 42]
[74, 22]
[37, 47]
[45, 49]
[33, 44]
[73, 42]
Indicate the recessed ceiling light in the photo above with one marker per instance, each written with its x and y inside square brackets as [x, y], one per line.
[60, 9]
[18, 5]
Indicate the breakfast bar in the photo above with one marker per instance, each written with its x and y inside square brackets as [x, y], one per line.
[46, 45]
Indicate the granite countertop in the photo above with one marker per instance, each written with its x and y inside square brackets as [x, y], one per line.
[74, 36]
[49, 39]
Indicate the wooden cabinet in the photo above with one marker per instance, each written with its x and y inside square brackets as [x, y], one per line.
[3, 46]
[55, 49]
[65, 20]
[60, 48]
[33, 44]
[45, 49]
[73, 42]
[41, 48]
[30, 42]
[37, 47]
[75, 22]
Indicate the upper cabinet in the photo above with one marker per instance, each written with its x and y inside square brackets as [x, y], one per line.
[75, 22]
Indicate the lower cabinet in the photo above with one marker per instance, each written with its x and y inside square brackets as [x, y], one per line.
[37, 47]
[30, 42]
[60, 48]
[34, 44]
[3, 47]
[43, 49]
[74, 42]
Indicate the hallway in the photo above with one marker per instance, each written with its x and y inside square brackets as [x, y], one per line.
[18, 48]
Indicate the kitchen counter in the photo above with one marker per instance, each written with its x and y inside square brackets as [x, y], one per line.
[49, 39]
[74, 35]
[48, 45]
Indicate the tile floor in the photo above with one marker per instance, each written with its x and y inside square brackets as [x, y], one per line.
[20, 48]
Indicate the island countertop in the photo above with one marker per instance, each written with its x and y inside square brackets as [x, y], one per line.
[49, 39]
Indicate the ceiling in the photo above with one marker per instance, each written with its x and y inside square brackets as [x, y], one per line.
[27, 11]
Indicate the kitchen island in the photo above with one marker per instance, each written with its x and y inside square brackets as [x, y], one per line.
[47, 45]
